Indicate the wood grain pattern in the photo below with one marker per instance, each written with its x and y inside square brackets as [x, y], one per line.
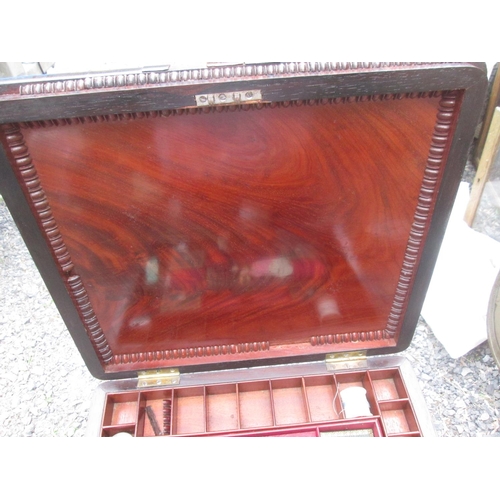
[241, 229]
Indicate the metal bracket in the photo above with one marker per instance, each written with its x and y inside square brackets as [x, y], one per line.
[346, 360]
[154, 378]
[221, 98]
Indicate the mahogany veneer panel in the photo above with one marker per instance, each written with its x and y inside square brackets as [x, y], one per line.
[269, 225]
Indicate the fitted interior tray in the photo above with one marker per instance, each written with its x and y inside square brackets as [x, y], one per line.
[296, 404]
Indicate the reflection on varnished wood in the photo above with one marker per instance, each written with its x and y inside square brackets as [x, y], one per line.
[271, 224]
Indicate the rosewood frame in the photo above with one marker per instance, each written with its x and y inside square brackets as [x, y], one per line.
[64, 99]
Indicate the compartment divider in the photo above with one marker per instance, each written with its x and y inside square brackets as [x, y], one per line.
[173, 413]
[306, 400]
[140, 415]
[337, 402]
[273, 410]
[238, 408]
[205, 408]
[374, 406]
[370, 394]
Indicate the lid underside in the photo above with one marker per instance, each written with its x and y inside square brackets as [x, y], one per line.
[238, 232]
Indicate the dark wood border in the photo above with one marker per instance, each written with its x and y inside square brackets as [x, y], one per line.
[57, 99]
[54, 97]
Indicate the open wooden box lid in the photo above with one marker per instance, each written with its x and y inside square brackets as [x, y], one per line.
[237, 215]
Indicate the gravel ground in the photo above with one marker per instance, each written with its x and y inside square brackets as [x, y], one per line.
[46, 390]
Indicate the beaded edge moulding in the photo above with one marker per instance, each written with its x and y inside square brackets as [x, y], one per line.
[217, 73]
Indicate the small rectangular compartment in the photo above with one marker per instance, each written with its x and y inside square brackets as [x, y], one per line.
[255, 404]
[119, 431]
[398, 418]
[188, 410]
[356, 379]
[290, 405]
[388, 384]
[366, 428]
[322, 398]
[120, 409]
[222, 408]
[155, 400]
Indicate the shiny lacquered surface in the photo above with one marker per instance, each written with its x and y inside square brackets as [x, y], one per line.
[269, 224]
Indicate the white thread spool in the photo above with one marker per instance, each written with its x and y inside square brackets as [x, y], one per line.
[355, 403]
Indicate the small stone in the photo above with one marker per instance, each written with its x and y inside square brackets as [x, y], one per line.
[486, 358]
[466, 371]
[493, 426]
[484, 416]
[439, 426]
[29, 429]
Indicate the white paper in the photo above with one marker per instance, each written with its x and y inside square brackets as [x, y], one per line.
[457, 300]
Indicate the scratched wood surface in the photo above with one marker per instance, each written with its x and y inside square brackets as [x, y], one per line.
[264, 226]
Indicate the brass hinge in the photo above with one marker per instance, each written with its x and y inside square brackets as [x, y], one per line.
[220, 98]
[346, 360]
[154, 378]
